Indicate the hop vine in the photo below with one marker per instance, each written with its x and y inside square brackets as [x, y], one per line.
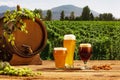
[7, 69]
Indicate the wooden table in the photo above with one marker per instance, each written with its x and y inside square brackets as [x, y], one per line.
[50, 73]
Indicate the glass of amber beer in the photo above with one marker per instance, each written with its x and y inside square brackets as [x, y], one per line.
[59, 57]
[69, 43]
[85, 51]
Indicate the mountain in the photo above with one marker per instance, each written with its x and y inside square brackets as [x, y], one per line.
[1, 15]
[55, 11]
[4, 8]
[67, 10]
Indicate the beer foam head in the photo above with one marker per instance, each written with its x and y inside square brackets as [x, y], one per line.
[60, 48]
[69, 37]
[85, 45]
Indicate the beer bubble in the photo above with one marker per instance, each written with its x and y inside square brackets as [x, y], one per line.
[69, 37]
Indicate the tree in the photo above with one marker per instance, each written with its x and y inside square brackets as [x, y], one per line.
[100, 17]
[110, 16]
[91, 16]
[49, 15]
[62, 16]
[39, 11]
[78, 18]
[72, 16]
[66, 18]
[96, 18]
[85, 13]
[106, 17]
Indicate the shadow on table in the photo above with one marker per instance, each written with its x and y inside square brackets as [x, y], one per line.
[72, 70]
[59, 70]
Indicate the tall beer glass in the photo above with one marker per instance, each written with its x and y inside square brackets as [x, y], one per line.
[59, 56]
[69, 43]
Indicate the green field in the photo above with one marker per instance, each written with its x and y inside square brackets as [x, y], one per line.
[103, 35]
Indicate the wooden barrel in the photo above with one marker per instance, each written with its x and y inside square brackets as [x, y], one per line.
[26, 44]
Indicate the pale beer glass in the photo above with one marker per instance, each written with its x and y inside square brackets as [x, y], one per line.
[59, 54]
[69, 43]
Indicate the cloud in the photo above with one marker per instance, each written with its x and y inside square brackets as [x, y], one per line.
[8, 3]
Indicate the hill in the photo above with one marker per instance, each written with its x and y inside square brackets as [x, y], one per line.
[55, 11]
[4, 8]
[67, 10]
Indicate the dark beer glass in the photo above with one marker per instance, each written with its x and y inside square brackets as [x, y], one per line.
[85, 51]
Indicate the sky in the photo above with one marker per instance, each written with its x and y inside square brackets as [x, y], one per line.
[100, 6]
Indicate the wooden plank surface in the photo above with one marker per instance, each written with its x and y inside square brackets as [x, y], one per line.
[49, 72]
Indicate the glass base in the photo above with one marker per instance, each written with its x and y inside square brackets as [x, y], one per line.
[60, 68]
[84, 68]
[69, 66]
